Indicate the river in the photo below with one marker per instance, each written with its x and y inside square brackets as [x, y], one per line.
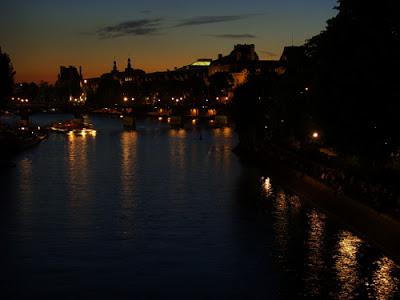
[166, 213]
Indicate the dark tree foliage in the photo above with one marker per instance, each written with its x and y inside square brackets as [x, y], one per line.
[219, 84]
[6, 78]
[273, 107]
[109, 92]
[250, 109]
[291, 96]
[356, 90]
[46, 94]
[27, 90]
[196, 90]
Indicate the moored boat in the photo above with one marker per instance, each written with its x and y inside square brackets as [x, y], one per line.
[76, 126]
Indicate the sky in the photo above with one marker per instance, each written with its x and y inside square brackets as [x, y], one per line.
[42, 35]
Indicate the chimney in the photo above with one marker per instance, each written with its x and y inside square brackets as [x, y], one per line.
[220, 56]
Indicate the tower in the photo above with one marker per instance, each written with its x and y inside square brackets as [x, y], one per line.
[129, 66]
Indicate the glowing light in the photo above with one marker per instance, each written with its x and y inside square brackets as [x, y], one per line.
[194, 121]
[267, 186]
[315, 135]
[211, 112]
[159, 118]
[125, 99]
[83, 132]
[85, 81]
[202, 63]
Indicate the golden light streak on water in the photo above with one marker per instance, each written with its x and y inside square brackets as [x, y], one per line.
[315, 262]
[281, 224]
[267, 186]
[346, 264]
[128, 163]
[78, 165]
[384, 284]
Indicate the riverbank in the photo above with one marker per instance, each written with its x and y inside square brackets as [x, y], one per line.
[379, 229]
[17, 138]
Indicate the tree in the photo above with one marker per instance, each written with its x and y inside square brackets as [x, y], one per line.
[251, 110]
[356, 91]
[6, 77]
[220, 84]
[109, 92]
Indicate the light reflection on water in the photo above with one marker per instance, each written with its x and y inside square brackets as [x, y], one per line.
[346, 264]
[281, 224]
[77, 169]
[384, 283]
[128, 166]
[171, 213]
[337, 263]
[315, 262]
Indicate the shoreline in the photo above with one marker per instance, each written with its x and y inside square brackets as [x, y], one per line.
[376, 228]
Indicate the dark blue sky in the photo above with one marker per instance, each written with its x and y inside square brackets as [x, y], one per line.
[40, 35]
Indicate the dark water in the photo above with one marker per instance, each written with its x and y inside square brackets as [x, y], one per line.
[161, 213]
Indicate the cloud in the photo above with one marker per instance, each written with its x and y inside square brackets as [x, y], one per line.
[146, 11]
[209, 20]
[134, 27]
[234, 36]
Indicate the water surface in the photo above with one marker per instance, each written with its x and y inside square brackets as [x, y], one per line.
[166, 213]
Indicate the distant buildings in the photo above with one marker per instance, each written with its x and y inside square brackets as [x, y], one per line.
[238, 65]
[128, 75]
